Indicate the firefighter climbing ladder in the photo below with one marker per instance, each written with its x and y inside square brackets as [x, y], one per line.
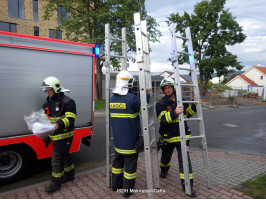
[199, 118]
[148, 127]
[108, 57]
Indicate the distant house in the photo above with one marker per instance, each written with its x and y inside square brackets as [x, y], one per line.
[254, 77]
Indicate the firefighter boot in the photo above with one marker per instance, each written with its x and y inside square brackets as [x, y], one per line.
[52, 187]
[193, 194]
[163, 173]
[68, 176]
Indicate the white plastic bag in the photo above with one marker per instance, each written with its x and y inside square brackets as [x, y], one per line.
[39, 124]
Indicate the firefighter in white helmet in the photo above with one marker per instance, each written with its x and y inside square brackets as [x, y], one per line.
[125, 122]
[61, 110]
[169, 136]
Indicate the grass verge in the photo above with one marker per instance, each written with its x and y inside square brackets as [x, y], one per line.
[255, 188]
[99, 105]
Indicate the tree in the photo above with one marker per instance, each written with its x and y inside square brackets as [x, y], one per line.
[86, 22]
[212, 29]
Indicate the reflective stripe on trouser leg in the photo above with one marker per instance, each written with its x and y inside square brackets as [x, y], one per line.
[59, 158]
[117, 171]
[167, 152]
[181, 169]
[131, 162]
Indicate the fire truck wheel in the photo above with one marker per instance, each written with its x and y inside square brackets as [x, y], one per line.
[13, 163]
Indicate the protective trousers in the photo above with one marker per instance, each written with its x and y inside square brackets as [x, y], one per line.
[62, 164]
[124, 171]
[165, 164]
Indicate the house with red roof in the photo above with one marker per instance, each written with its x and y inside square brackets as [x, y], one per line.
[254, 77]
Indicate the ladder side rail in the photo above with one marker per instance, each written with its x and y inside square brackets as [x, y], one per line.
[107, 87]
[145, 126]
[199, 111]
[184, 148]
[151, 112]
[124, 49]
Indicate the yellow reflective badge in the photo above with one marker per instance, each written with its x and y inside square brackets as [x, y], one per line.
[118, 105]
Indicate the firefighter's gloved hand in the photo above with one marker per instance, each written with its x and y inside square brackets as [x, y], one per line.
[160, 144]
[46, 140]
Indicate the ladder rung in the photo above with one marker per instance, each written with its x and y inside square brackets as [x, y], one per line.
[152, 141]
[183, 68]
[147, 70]
[192, 137]
[144, 34]
[190, 101]
[192, 119]
[112, 154]
[180, 37]
[146, 52]
[186, 53]
[116, 39]
[117, 56]
[185, 84]
[150, 124]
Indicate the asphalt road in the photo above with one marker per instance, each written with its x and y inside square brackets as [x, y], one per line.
[238, 130]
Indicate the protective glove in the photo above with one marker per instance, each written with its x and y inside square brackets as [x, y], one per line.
[161, 143]
[46, 140]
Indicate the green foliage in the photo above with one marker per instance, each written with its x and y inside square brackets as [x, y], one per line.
[255, 188]
[225, 81]
[87, 19]
[221, 88]
[213, 28]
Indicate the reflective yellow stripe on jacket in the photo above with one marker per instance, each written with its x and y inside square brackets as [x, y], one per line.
[123, 151]
[61, 136]
[190, 111]
[122, 115]
[168, 118]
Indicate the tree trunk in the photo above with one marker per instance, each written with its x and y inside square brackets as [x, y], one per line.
[98, 88]
[201, 84]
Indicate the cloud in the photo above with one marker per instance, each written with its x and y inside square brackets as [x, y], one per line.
[250, 14]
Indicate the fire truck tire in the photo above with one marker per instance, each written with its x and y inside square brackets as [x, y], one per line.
[13, 164]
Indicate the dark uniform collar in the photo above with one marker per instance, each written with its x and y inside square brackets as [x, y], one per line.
[56, 97]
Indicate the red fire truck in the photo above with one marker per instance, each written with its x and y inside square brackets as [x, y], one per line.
[25, 61]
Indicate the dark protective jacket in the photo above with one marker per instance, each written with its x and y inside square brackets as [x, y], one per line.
[169, 123]
[61, 109]
[125, 122]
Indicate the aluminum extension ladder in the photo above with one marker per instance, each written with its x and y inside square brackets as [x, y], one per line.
[108, 56]
[148, 126]
[199, 117]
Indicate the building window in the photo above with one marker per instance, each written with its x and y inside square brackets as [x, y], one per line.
[16, 8]
[35, 10]
[36, 31]
[55, 34]
[9, 27]
[261, 77]
[61, 14]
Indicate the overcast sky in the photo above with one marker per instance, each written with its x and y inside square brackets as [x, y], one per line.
[250, 14]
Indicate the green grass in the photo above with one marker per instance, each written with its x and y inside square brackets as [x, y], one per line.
[99, 105]
[255, 188]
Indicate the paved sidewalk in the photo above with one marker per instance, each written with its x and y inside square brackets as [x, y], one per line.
[228, 171]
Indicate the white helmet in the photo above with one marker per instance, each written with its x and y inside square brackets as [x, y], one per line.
[124, 81]
[52, 82]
